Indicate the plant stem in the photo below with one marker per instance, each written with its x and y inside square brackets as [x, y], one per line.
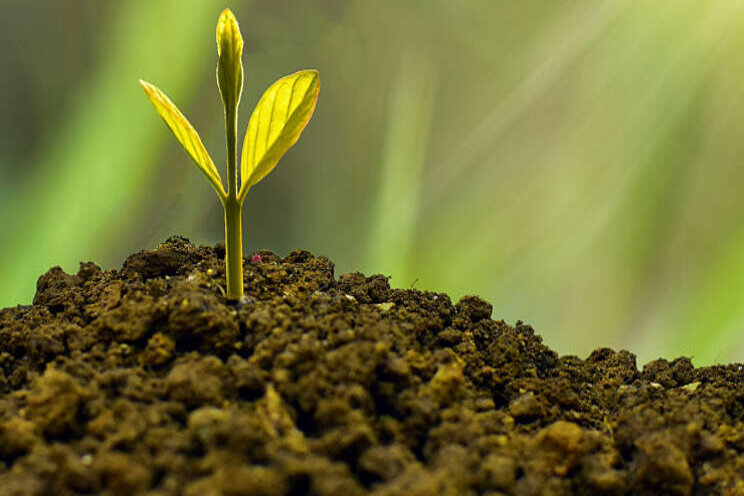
[232, 206]
[233, 249]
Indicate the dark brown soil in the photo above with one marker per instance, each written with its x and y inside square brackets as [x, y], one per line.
[148, 381]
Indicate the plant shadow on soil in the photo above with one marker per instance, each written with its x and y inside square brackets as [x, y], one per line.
[148, 381]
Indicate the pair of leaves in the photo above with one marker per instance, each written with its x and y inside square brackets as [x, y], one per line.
[275, 125]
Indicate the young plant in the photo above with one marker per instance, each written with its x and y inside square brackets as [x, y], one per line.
[275, 125]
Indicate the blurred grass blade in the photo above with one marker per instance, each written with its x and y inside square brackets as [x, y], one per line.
[390, 245]
[276, 124]
[185, 133]
[229, 66]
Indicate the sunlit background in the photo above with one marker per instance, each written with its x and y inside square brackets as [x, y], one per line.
[576, 163]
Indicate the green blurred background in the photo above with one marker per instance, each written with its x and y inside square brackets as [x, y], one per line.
[577, 163]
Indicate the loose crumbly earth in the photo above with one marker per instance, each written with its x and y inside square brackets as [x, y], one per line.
[148, 381]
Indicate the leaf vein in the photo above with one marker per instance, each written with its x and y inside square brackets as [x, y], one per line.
[255, 140]
[271, 119]
[291, 95]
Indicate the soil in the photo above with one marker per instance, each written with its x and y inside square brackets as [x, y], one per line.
[149, 381]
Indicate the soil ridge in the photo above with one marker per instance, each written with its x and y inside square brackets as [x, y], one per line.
[147, 380]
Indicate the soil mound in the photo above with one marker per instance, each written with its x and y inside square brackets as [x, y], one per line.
[148, 381]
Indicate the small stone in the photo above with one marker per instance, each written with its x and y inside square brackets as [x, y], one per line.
[385, 307]
[691, 387]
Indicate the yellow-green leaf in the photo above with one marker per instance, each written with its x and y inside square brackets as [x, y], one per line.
[276, 124]
[229, 66]
[185, 134]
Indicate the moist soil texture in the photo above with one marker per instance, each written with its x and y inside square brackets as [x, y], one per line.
[147, 380]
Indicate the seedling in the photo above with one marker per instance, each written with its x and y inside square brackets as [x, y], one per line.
[275, 125]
